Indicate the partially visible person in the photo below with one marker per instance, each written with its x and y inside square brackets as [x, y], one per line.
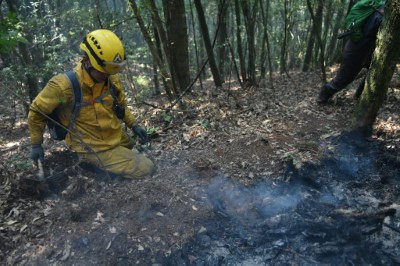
[96, 135]
[357, 55]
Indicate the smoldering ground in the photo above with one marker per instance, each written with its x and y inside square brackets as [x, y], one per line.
[343, 210]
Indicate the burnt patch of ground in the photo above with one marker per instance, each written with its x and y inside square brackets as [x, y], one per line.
[339, 211]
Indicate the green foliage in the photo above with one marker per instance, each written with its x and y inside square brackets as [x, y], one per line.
[152, 130]
[306, 146]
[205, 124]
[11, 77]
[18, 163]
[142, 81]
[52, 34]
[167, 118]
[10, 33]
[53, 30]
[140, 54]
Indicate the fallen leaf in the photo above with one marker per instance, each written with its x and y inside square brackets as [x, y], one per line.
[47, 211]
[192, 258]
[109, 245]
[202, 230]
[99, 217]
[23, 228]
[66, 253]
[11, 222]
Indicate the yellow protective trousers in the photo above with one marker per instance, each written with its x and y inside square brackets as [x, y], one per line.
[122, 160]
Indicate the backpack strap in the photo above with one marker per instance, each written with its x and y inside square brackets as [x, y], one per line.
[118, 108]
[112, 91]
[77, 97]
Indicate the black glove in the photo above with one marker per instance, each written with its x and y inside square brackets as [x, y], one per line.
[37, 153]
[142, 134]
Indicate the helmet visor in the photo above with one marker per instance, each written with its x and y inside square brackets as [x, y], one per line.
[113, 67]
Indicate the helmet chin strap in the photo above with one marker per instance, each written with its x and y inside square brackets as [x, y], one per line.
[89, 68]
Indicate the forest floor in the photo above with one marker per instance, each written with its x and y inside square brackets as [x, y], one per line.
[255, 176]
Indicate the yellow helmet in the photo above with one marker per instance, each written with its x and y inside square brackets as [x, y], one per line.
[105, 51]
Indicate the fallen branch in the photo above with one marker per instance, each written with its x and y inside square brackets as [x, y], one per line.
[14, 147]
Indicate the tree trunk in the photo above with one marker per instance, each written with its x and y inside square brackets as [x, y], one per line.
[250, 23]
[334, 50]
[155, 79]
[163, 69]
[242, 62]
[163, 47]
[196, 48]
[222, 38]
[319, 49]
[317, 22]
[309, 50]
[263, 55]
[174, 13]
[283, 54]
[207, 43]
[264, 15]
[327, 20]
[26, 59]
[160, 54]
[382, 68]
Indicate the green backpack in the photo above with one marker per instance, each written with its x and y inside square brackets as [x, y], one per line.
[358, 14]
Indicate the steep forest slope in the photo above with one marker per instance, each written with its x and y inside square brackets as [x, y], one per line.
[245, 176]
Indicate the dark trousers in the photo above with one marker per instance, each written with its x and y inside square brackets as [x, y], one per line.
[356, 55]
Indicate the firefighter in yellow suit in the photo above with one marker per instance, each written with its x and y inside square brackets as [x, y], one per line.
[96, 135]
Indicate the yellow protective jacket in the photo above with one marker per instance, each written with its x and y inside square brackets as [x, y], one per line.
[96, 124]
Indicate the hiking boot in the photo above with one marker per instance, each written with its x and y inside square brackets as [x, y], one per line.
[325, 94]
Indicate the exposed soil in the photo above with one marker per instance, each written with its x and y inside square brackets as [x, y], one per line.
[254, 176]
